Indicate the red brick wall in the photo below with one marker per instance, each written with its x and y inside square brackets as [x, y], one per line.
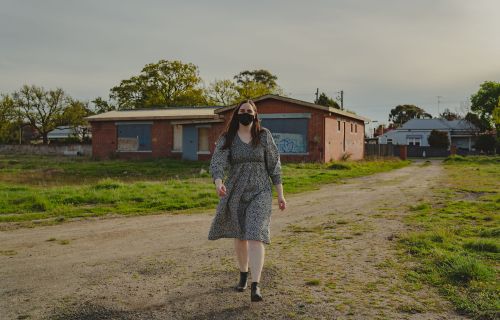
[103, 139]
[354, 141]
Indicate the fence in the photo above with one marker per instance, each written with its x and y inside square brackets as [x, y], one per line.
[425, 152]
[68, 150]
[380, 150]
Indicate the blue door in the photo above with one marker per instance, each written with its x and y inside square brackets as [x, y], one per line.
[189, 142]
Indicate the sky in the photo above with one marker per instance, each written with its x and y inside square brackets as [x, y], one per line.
[380, 53]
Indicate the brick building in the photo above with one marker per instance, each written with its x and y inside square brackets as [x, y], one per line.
[302, 130]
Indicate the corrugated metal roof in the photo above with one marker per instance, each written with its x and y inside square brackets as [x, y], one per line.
[437, 124]
[167, 113]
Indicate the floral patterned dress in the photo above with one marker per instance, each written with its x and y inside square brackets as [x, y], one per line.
[245, 211]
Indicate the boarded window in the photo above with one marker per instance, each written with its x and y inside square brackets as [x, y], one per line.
[134, 137]
[177, 137]
[290, 135]
[203, 140]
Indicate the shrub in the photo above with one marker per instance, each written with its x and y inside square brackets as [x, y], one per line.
[339, 166]
[484, 245]
[438, 139]
[463, 269]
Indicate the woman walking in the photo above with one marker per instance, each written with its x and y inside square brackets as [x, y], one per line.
[250, 156]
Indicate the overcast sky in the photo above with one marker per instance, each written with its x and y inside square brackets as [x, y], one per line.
[381, 53]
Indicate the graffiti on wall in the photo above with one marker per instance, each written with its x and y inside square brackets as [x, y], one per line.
[290, 142]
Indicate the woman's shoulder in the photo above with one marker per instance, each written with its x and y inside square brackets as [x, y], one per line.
[221, 139]
[264, 131]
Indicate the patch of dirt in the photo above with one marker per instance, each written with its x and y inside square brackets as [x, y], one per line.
[333, 255]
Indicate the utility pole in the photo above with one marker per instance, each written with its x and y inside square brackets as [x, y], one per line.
[317, 95]
[439, 101]
[342, 99]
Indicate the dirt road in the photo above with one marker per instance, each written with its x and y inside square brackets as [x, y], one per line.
[333, 255]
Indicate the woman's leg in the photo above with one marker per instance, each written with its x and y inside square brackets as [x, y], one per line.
[241, 250]
[256, 253]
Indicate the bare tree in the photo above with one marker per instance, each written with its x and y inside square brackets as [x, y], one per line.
[42, 109]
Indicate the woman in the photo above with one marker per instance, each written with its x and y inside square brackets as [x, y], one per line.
[250, 155]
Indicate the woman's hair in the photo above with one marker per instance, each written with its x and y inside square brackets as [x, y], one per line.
[233, 125]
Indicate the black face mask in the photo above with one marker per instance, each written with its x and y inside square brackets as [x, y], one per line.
[245, 118]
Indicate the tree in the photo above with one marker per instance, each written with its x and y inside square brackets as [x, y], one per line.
[222, 93]
[326, 101]
[165, 83]
[449, 115]
[258, 76]
[252, 90]
[43, 109]
[256, 83]
[402, 113]
[10, 120]
[485, 143]
[486, 100]
[481, 124]
[101, 105]
[73, 116]
[438, 139]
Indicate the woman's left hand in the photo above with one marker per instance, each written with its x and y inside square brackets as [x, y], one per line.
[282, 202]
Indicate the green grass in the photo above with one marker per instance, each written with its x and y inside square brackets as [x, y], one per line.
[53, 189]
[457, 242]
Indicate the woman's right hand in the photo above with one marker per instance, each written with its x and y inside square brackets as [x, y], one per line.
[220, 187]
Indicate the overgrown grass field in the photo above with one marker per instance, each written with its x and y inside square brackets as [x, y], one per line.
[52, 189]
[457, 245]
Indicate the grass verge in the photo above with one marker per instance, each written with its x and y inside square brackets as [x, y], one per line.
[55, 189]
[457, 242]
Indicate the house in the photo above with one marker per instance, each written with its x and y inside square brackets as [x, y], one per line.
[415, 132]
[303, 131]
[181, 133]
[65, 132]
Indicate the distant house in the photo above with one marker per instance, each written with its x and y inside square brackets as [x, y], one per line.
[415, 132]
[303, 131]
[65, 132]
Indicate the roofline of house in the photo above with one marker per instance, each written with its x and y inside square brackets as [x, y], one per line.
[90, 119]
[299, 102]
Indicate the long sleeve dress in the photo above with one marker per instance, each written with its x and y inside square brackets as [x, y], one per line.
[245, 211]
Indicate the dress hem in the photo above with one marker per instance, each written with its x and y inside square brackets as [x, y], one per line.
[237, 237]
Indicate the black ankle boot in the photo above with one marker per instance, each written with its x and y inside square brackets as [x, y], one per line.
[243, 281]
[255, 292]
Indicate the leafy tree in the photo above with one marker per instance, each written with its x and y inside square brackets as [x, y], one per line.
[438, 139]
[73, 116]
[252, 90]
[10, 120]
[261, 76]
[485, 143]
[449, 115]
[326, 101]
[165, 83]
[402, 113]
[486, 100]
[222, 93]
[101, 105]
[482, 124]
[256, 83]
[43, 109]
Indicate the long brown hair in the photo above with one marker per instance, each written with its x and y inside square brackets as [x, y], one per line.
[233, 125]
